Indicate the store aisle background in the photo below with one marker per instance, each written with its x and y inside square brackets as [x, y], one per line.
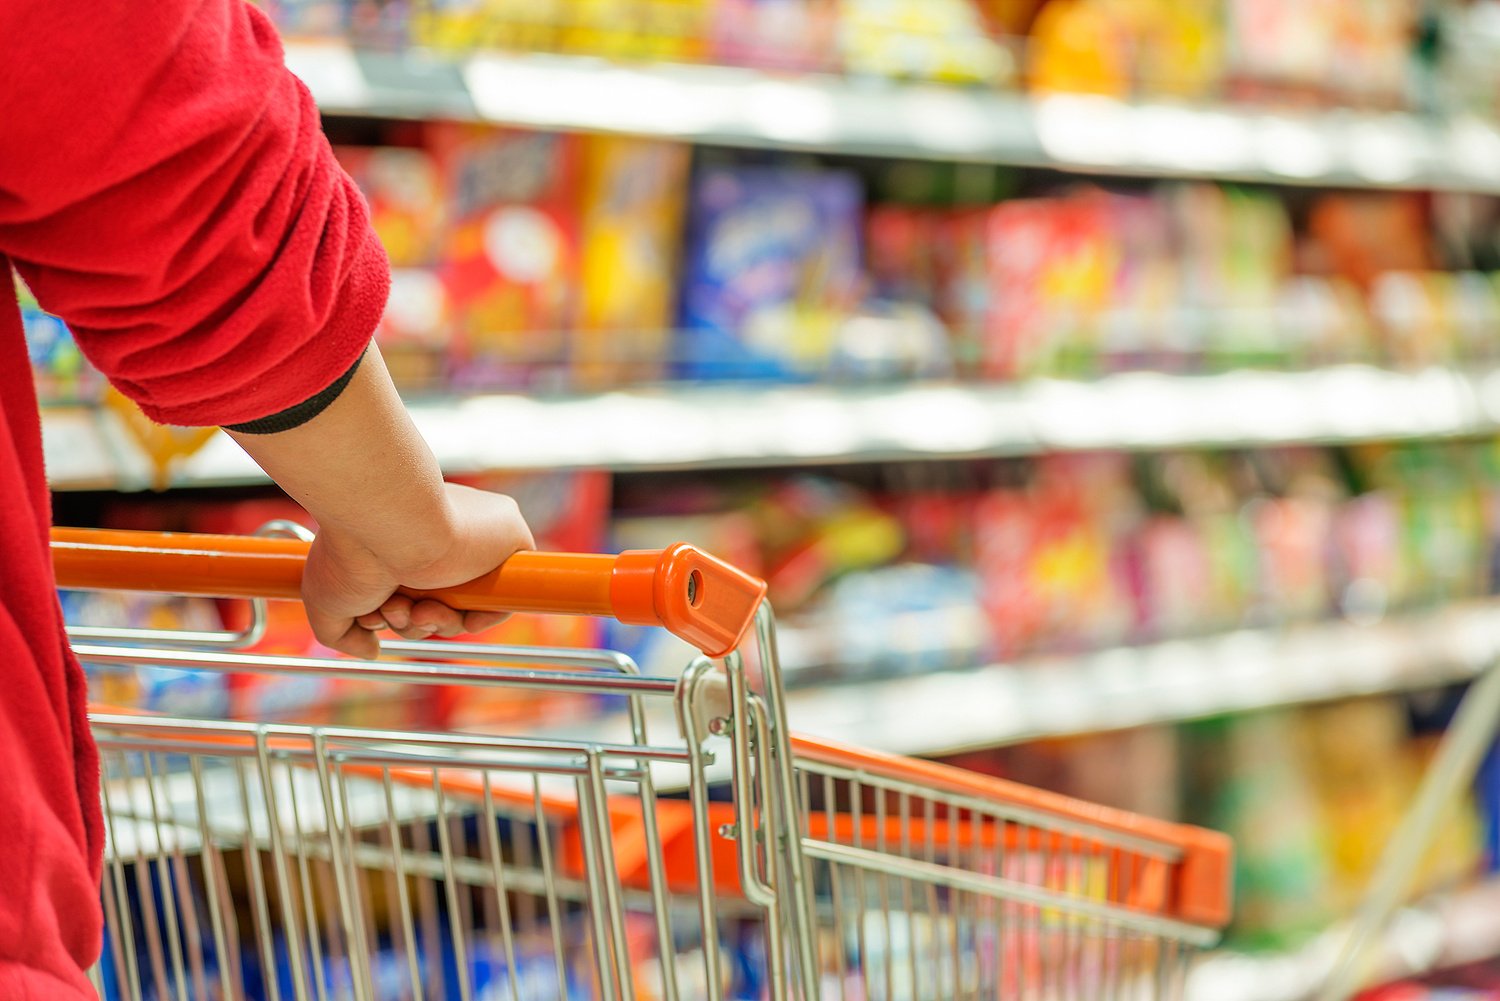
[1106, 388]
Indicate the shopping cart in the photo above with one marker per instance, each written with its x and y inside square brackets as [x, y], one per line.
[727, 859]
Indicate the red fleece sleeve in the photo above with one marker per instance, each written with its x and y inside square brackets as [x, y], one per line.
[166, 188]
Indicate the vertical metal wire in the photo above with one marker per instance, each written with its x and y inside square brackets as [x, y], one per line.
[856, 809]
[526, 904]
[609, 873]
[841, 937]
[291, 930]
[140, 869]
[333, 927]
[457, 828]
[983, 905]
[497, 872]
[450, 881]
[361, 975]
[260, 909]
[883, 894]
[687, 722]
[226, 949]
[403, 894]
[167, 878]
[549, 881]
[125, 945]
[309, 910]
[908, 909]
[934, 918]
[342, 865]
[1002, 968]
[431, 944]
[657, 873]
[955, 902]
[598, 913]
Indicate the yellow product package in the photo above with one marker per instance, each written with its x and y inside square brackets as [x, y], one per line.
[632, 225]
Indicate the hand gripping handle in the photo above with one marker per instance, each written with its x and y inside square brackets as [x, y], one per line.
[697, 597]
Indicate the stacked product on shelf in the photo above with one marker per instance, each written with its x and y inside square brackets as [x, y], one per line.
[536, 262]
[1378, 53]
[1074, 553]
[523, 259]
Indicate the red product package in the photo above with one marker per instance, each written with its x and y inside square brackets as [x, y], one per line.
[511, 259]
[901, 247]
[1004, 550]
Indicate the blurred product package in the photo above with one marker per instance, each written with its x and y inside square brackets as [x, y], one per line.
[512, 254]
[632, 231]
[524, 259]
[1062, 555]
[771, 267]
[1375, 53]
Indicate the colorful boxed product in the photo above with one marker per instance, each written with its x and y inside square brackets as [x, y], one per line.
[772, 267]
[1052, 266]
[779, 34]
[1080, 46]
[466, 25]
[61, 372]
[920, 39]
[632, 231]
[308, 18]
[511, 259]
[404, 190]
[408, 209]
[153, 688]
[673, 30]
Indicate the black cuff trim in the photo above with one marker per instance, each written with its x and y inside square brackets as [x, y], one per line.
[296, 416]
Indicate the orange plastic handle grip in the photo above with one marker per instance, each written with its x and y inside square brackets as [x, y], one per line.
[697, 597]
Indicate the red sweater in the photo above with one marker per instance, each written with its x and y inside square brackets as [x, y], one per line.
[165, 187]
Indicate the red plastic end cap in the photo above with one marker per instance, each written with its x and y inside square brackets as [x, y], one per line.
[697, 597]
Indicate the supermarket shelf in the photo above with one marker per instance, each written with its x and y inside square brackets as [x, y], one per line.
[1162, 683]
[743, 107]
[1123, 687]
[1443, 932]
[741, 427]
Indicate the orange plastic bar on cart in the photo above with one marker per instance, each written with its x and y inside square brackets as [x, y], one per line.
[695, 596]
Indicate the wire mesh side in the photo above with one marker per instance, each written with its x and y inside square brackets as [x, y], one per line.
[285, 863]
[920, 894]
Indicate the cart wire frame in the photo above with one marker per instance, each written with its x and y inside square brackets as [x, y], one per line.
[277, 860]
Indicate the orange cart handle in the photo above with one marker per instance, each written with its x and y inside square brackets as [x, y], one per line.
[697, 597]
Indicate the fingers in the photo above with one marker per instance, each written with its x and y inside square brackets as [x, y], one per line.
[478, 622]
[343, 634]
[434, 618]
[412, 620]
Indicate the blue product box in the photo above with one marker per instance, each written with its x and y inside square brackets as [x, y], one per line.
[771, 269]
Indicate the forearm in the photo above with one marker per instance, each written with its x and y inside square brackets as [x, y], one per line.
[360, 467]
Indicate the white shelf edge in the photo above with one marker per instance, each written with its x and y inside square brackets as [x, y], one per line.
[949, 712]
[1175, 681]
[747, 107]
[734, 426]
[1445, 930]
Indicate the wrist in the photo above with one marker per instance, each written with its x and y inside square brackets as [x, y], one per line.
[406, 534]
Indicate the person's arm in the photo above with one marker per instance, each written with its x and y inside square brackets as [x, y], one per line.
[385, 517]
[165, 188]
